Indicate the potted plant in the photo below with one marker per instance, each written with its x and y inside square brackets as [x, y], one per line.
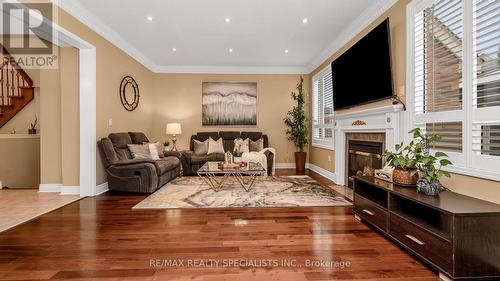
[296, 122]
[405, 159]
[237, 155]
[430, 173]
[415, 165]
[32, 129]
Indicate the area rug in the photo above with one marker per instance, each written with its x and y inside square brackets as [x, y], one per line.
[285, 191]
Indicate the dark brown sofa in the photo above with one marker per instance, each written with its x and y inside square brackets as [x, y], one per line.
[135, 175]
[191, 163]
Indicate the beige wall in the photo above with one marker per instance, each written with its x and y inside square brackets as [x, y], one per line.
[22, 169]
[178, 99]
[50, 135]
[475, 187]
[112, 65]
[70, 117]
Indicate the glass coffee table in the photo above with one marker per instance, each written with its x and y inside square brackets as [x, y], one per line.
[216, 177]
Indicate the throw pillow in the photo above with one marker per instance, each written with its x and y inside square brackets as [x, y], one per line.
[139, 151]
[200, 147]
[242, 145]
[156, 149]
[257, 145]
[215, 146]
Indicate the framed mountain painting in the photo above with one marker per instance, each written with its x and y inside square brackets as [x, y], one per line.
[229, 103]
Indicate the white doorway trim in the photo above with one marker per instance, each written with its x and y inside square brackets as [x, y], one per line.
[88, 68]
[88, 146]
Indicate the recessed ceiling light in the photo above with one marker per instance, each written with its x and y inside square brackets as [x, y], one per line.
[174, 49]
[305, 20]
[230, 50]
[150, 18]
[228, 20]
[286, 51]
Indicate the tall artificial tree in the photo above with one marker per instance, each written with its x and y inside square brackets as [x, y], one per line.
[296, 120]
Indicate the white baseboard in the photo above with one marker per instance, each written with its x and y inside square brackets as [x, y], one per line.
[70, 190]
[50, 187]
[325, 173]
[1, 185]
[100, 189]
[59, 188]
[285, 165]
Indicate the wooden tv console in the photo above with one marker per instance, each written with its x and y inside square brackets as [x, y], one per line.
[457, 235]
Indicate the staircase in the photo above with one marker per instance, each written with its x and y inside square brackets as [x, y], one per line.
[16, 88]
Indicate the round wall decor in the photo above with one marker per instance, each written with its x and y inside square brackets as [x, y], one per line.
[129, 93]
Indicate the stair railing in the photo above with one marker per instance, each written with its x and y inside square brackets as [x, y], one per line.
[12, 79]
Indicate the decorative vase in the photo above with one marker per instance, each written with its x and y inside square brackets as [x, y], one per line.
[429, 188]
[300, 163]
[401, 176]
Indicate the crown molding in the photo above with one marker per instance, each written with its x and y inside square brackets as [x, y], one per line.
[231, 69]
[368, 16]
[86, 17]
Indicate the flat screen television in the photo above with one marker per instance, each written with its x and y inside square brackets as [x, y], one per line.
[363, 73]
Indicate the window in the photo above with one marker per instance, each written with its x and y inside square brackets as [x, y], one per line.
[454, 80]
[323, 109]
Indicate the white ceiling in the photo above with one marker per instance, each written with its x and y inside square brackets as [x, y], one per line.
[259, 31]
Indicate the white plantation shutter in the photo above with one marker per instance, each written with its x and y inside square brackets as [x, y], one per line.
[438, 86]
[454, 83]
[439, 61]
[486, 85]
[322, 135]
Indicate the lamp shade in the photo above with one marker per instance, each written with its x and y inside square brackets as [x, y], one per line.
[174, 129]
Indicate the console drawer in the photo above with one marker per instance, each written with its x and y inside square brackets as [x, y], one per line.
[436, 249]
[370, 212]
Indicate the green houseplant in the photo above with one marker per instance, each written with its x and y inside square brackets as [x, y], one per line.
[296, 123]
[415, 165]
[405, 161]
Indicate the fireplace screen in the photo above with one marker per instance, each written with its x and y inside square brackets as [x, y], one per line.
[363, 158]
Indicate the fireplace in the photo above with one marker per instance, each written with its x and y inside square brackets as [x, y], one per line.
[364, 155]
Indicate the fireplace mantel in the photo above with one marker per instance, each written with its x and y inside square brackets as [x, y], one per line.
[385, 119]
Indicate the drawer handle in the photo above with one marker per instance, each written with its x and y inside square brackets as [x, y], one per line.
[368, 212]
[412, 238]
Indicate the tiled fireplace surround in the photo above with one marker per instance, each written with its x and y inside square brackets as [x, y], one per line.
[372, 124]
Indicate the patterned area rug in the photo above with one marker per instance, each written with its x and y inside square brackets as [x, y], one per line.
[288, 191]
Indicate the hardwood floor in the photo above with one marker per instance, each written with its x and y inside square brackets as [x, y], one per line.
[101, 238]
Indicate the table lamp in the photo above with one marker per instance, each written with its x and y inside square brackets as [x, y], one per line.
[174, 129]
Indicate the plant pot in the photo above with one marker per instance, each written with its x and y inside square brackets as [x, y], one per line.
[429, 188]
[32, 131]
[237, 159]
[402, 176]
[300, 163]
